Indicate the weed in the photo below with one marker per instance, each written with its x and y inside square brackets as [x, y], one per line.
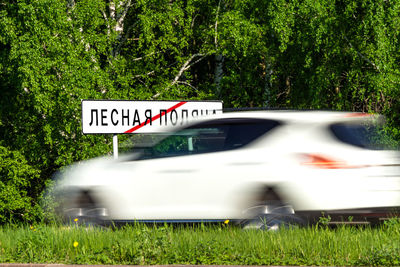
[324, 221]
[202, 244]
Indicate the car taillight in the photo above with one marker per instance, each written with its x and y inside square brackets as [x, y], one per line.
[323, 162]
[356, 114]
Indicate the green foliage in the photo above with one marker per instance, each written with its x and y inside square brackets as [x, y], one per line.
[324, 221]
[319, 54]
[338, 55]
[18, 192]
[384, 256]
[201, 244]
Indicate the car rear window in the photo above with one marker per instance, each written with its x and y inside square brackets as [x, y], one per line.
[367, 136]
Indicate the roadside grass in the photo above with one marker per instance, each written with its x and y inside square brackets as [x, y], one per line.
[202, 244]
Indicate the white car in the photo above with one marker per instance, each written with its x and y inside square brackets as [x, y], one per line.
[280, 166]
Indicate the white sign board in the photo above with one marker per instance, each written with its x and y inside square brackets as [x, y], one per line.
[124, 116]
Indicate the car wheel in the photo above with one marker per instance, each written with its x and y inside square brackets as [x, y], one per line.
[87, 212]
[274, 216]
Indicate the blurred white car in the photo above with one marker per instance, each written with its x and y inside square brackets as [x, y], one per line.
[281, 166]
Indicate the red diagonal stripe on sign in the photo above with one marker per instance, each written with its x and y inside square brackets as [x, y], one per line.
[156, 117]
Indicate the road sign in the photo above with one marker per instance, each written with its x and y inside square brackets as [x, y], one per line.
[124, 116]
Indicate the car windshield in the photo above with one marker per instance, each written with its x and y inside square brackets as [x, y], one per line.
[369, 136]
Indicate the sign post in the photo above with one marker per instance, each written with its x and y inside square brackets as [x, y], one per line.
[129, 117]
[115, 146]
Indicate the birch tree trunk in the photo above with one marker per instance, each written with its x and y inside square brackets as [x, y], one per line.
[219, 58]
[219, 73]
[267, 82]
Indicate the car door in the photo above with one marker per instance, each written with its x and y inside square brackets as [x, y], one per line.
[199, 173]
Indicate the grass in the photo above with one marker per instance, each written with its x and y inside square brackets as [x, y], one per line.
[202, 244]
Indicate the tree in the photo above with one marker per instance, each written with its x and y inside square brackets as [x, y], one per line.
[336, 54]
[319, 54]
[18, 193]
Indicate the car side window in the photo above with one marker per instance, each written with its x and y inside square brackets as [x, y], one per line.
[363, 135]
[212, 136]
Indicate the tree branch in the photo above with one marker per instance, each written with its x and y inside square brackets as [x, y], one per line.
[216, 26]
[188, 84]
[117, 49]
[120, 18]
[148, 55]
[362, 56]
[146, 74]
[187, 65]
[111, 8]
[71, 4]
[107, 23]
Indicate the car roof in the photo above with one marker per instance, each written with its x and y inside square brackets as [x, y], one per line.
[311, 116]
[286, 116]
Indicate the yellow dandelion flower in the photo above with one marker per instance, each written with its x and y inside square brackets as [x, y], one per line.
[31, 227]
[75, 244]
[76, 220]
[226, 221]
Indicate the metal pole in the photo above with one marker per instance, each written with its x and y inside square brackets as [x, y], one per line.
[115, 146]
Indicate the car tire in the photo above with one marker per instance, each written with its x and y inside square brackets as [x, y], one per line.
[86, 213]
[275, 217]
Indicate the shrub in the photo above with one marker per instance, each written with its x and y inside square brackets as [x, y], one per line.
[17, 193]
